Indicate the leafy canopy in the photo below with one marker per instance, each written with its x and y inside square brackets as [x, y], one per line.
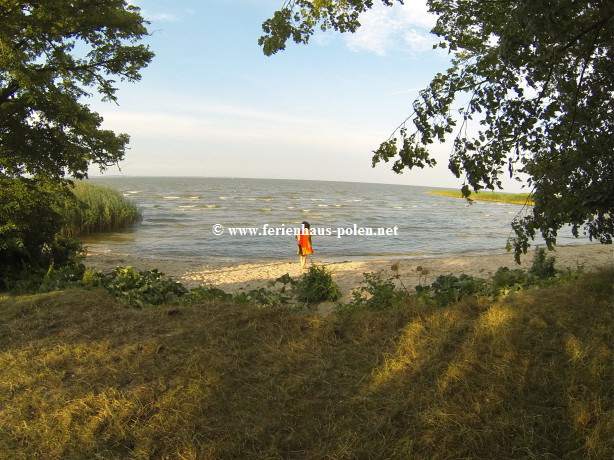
[52, 54]
[529, 93]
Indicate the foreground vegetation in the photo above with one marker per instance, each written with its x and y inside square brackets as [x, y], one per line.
[513, 198]
[525, 376]
[39, 223]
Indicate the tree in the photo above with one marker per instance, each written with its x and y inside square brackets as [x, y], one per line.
[534, 94]
[53, 54]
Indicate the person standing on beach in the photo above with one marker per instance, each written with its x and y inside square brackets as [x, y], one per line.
[304, 243]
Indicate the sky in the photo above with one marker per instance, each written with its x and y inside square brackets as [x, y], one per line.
[211, 104]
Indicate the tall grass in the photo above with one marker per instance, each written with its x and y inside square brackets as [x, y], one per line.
[98, 209]
[513, 198]
[526, 377]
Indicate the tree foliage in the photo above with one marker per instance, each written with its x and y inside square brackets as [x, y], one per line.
[529, 93]
[28, 226]
[53, 54]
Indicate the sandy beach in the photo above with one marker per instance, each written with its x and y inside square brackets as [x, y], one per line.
[349, 274]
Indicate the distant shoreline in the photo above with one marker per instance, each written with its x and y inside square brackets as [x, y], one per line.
[496, 197]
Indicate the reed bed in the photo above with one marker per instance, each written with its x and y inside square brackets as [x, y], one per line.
[526, 377]
[500, 197]
[98, 209]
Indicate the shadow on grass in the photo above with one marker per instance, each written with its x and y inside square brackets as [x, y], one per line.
[83, 377]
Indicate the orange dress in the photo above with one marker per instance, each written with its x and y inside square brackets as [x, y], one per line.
[304, 243]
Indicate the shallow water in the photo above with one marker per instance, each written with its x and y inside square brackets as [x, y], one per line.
[178, 215]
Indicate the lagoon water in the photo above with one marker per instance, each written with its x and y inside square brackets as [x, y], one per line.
[179, 213]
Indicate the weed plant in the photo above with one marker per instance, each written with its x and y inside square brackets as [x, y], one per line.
[141, 288]
[149, 288]
[377, 293]
[317, 285]
[262, 297]
[542, 266]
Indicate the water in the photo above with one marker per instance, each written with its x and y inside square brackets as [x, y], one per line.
[178, 215]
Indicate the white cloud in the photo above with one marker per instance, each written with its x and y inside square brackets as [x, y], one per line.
[154, 16]
[388, 28]
[226, 140]
[163, 17]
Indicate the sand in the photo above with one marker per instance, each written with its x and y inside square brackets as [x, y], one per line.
[349, 274]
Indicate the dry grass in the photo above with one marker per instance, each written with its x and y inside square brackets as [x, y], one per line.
[530, 377]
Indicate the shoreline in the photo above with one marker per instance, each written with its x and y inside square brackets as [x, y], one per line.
[234, 277]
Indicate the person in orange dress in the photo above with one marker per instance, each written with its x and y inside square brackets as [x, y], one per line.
[304, 243]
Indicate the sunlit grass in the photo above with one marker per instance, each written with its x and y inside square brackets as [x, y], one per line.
[527, 377]
[103, 209]
[513, 198]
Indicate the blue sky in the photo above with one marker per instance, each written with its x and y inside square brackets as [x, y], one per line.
[211, 104]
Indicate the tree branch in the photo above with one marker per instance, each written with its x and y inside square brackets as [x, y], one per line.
[574, 39]
[9, 91]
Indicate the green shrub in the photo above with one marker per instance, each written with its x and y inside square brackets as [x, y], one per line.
[204, 294]
[377, 293]
[542, 267]
[316, 286]
[506, 280]
[447, 289]
[63, 278]
[141, 288]
[38, 220]
[29, 225]
[262, 297]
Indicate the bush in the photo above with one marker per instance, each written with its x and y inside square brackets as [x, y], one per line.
[450, 288]
[62, 278]
[377, 294]
[38, 220]
[447, 289]
[316, 286]
[506, 280]
[28, 225]
[542, 267]
[204, 294]
[262, 297]
[141, 288]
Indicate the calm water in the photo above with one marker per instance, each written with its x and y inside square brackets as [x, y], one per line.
[178, 215]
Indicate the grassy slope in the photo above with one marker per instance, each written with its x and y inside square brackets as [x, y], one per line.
[513, 198]
[83, 377]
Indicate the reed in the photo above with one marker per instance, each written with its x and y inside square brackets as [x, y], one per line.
[97, 209]
[526, 377]
[512, 198]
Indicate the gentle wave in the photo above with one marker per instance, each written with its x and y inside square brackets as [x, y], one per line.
[178, 214]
